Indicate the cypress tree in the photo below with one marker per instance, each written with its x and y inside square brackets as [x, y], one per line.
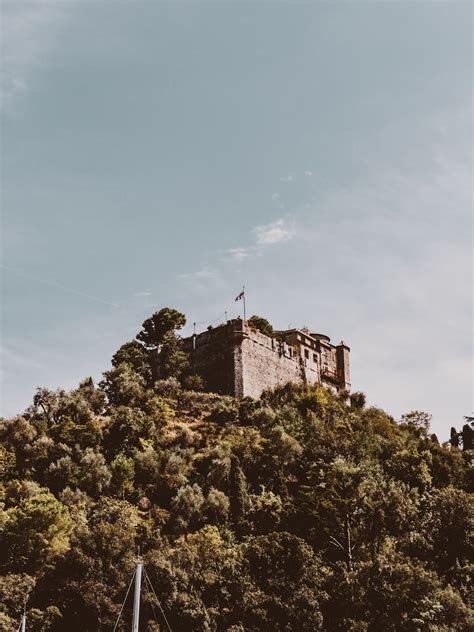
[237, 494]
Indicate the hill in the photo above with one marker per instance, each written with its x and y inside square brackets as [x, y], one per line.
[296, 511]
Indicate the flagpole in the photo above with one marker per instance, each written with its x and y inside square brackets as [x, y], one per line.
[243, 296]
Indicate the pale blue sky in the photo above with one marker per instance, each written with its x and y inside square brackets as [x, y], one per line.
[166, 153]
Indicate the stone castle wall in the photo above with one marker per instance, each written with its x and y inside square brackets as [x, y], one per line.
[212, 357]
[265, 363]
[235, 359]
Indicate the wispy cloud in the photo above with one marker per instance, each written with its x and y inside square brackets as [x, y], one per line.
[142, 294]
[239, 254]
[264, 236]
[308, 173]
[276, 232]
[203, 274]
[288, 178]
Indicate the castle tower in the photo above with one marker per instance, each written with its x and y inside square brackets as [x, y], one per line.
[342, 359]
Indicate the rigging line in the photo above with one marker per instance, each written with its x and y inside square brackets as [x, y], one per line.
[147, 579]
[159, 603]
[148, 593]
[123, 604]
[206, 322]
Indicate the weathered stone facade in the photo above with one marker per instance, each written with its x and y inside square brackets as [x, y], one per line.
[236, 359]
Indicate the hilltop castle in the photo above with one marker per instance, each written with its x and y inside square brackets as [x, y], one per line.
[236, 359]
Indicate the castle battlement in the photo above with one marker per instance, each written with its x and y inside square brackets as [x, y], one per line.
[237, 359]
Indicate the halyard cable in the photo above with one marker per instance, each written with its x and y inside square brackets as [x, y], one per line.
[156, 597]
[123, 604]
[151, 602]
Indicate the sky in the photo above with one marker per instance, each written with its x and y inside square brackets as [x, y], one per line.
[166, 153]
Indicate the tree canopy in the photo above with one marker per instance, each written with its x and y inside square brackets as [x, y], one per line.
[159, 325]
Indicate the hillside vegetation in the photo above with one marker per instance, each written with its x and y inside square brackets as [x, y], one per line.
[296, 512]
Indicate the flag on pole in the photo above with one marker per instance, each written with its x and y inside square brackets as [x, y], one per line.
[240, 296]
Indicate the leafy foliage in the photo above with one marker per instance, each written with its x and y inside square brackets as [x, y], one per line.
[293, 512]
[261, 324]
[161, 324]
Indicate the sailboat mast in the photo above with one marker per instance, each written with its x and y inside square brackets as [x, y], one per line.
[136, 597]
[23, 619]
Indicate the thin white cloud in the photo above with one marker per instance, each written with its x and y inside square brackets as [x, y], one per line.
[276, 232]
[308, 173]
[142, 294]
[266, 235]
[201, 275]
[288, 178]
[239, 254]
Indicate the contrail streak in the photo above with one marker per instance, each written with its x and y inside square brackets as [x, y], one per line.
[59, 286]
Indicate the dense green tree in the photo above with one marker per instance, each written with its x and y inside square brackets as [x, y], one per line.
[358, 399]
[261, 324]
[123, 386]
[36, 529]
[417, 419]
[94, 473]
[159, 325]
[238, 495]
[123, 473]
[454, 438]
[285, 591]
[216, 507]
[186, 508]
[158, 335]
[467, 437]
[136, 356]
[172, 361]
